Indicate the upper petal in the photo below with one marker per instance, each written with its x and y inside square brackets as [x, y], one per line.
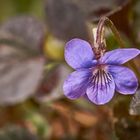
[101, 88]
[119, 56]
[76, 83]
[78, 54]
[125, 79]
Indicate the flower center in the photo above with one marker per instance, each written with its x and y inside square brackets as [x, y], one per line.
[100, 76]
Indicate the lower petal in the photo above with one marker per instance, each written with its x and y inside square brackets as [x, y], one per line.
[125, 79]
[76, 84]
[101, 90]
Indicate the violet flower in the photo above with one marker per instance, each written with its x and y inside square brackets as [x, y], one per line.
[98, 79]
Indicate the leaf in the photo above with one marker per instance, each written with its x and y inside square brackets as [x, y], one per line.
[26, 30]
[52, 84]
[13, 132]
[20, 74]
[96, 8]
[65, 20]
[21, 59]
[135, 104]
[37, 124]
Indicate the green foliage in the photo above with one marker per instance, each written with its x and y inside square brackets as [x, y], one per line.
[16, 133]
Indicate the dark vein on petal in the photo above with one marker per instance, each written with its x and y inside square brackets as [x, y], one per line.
[100, 81]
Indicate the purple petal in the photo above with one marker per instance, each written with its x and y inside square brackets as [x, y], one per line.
[101, 89]
[125, 79]
[76, 84]
[119, 56]
[78, 54]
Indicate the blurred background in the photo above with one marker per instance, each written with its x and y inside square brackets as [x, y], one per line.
[33, 34]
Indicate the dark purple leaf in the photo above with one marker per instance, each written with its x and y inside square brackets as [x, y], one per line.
[52, 84]
[26, 30]
[19, 75]
[65, 20]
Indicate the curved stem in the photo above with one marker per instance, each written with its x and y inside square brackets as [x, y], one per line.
[100, 37]
[100, 28]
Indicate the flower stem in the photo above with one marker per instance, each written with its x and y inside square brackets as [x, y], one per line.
[100, 36]
[99, 39]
